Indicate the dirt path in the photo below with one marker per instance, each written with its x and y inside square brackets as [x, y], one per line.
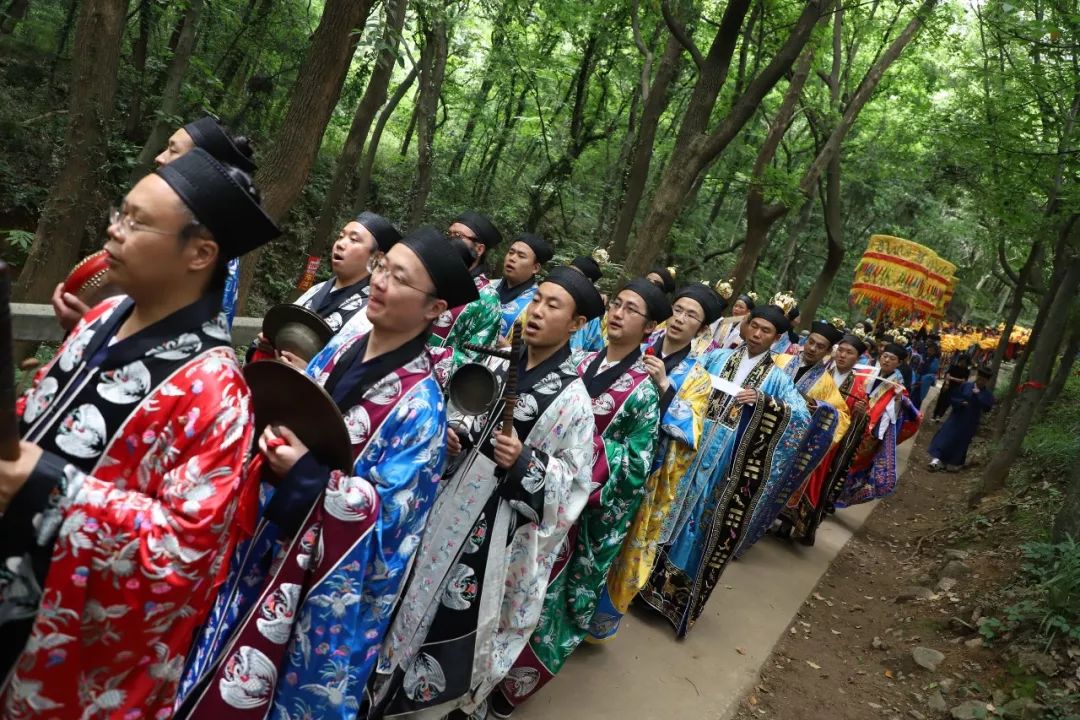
[646, 674]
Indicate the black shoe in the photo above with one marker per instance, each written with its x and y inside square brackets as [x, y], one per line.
[499, 706]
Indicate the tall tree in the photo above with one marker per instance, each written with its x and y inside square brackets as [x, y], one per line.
[285, 168]
[363, 183]
[699, 140]
[373, 98]
[70, 207]
[166, 120]
[432, 71]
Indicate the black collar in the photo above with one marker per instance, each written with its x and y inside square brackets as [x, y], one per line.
[528, 378]
[328, 299]
[596, 383]
[352, 377]
[671, 361]
[509, 294]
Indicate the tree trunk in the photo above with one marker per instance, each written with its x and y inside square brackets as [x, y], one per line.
[62, 38]
[363, 182]
[285, 168]
[139, 52]
[1067, 521]
[373, 98]
[15, 12]
[834, 232]
[486, 178]
[1042, 363]
[614, 189]
[637, 175]
[695, 151]
[786, 279]
[73, 201]
[1016, 306]
[432, 72]
[233, 60]
[1065, 365]
[170, 96]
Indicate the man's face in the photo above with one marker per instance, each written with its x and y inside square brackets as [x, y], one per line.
[627, 319]
[465, 233]
[179, 144]
[760, 335]
[739, 309]
[146, 254]
[402, 294]
[352, 252]
[520, 264]
[552, 317]
[888, 362]
[845, 357]
[687, 318]
[815, 349]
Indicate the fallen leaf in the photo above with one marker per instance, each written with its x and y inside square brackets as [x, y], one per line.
[752, 700]
[888, 674]
[818, 596]
[740, 650]
[813, 664]
[836, 632]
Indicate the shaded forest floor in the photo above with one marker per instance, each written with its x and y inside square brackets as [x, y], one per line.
[923, 572]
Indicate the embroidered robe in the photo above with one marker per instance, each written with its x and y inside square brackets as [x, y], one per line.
[476, 322]
[117, 543]
[625, 411]
[512, 303]
[592, 337]
[306, 640]
[741, 463]
[486, 556]
[336, 306]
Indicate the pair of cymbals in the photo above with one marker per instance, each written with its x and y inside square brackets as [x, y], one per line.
[295, 329]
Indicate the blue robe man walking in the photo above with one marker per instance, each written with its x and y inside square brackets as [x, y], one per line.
[948, 449]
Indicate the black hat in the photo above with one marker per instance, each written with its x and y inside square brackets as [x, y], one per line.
[706, 297]
[657, 304]
[481, 225]
[208, 134]
[381, 229]
[793, 313]
[222, 199]
[587, 299]
[984, 372]
[773, 315]
[588, 267]
[667, 275]
[854, 341]
[827, 330]
[538, 245]
[897, 350]
[447, 270]
[747, 301]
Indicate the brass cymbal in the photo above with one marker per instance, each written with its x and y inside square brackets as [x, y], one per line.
[296, 329]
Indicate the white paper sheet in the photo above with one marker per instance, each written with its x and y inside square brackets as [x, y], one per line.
[725, 386]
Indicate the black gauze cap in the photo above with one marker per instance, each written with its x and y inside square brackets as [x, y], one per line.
[773, 315]
[211, 137]
[826, 330]
[706, 297]
[482, 227]
[793, 313]
[588, 267]
[217, 200]
[747, 301]
[538, 245]
[666, 276]
[381, 229]
[855, 342]
[448, 272]
[587, 299]
[657, 304]
[895, 349]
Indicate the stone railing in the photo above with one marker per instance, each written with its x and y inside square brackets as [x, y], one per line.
[36, 323]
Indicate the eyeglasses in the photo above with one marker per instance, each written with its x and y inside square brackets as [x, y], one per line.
[126, 225]
[615, 304]
[377, 266]
[458, 235]
[679, 312]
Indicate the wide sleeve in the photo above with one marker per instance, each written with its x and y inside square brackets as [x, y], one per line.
[478, 324]
[629, 456]
[825, 391]
[685, 416]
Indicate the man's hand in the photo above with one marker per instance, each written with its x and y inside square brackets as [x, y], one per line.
[657, 371]
[67, 308]
[746, 396]
[453, 442]
[281, 448]
[507, 450]
[861, 406]
[297, 362]
[975, 390]
[13, 473]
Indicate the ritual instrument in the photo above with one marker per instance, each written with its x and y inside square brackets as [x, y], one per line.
[506, 418]
[9, 424]
[284, 395]
[295, 329]
[87, 280]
